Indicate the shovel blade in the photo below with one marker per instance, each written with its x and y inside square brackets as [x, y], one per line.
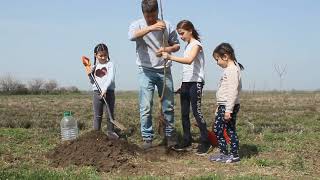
[213, 138]
[118, 125]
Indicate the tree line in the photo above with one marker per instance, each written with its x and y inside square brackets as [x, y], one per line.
[11, 85]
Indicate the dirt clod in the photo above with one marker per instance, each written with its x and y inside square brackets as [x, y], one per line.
[95, 149]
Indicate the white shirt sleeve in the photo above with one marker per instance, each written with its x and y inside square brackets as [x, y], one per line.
[232, 89]
[132, 29]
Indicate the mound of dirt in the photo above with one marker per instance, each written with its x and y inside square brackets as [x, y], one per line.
[95, 149]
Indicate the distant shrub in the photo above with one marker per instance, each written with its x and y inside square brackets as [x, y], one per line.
[10, 85]
[50, 85]
[21, 89]
[35, 85]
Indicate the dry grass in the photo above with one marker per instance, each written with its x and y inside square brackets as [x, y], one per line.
[279, 136]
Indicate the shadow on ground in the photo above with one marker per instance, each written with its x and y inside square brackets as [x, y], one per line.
[248, 150]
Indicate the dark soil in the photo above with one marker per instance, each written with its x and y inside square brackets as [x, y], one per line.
[95, 149]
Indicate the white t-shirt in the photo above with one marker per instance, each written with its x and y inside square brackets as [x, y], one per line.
[147, 45]
[105, 76]
[195, 71]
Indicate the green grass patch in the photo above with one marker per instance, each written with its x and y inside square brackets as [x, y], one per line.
[253, 177]
[209, 177]
[17, 134]
[264, 162]
[298, 163]
[83, 173]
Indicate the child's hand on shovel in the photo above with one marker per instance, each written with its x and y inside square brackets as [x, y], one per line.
[103, 94]
[86, 63]
[93, 68]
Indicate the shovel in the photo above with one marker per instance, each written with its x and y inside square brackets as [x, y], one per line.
[213, 138]
[87, 64]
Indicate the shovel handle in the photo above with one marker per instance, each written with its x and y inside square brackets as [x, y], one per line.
[86, 63]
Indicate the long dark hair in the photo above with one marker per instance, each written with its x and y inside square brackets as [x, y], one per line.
[225, 48]
[187, 25]
[98, 48]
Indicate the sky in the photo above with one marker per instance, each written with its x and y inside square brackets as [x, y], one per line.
[45, 39]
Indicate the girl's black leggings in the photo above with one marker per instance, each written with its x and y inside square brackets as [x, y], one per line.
[191, 93]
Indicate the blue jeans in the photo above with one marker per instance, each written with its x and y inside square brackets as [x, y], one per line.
[148, 79]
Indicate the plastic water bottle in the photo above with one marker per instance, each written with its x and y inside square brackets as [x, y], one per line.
[69, 127]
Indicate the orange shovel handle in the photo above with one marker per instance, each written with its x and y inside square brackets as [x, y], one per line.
[86, 63]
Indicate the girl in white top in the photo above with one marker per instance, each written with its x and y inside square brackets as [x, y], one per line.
[192, 85]
[104, 73]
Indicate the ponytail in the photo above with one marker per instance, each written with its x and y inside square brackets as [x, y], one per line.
[226, 48]
[240, 65]
[187, 25]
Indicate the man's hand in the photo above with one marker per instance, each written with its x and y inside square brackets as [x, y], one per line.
[158, 26]
[160, 51]
[227, 116]
[165, 55]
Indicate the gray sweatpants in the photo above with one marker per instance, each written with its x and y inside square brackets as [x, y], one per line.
[99, 108]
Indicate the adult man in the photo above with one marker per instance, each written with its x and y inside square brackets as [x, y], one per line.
[150, 34]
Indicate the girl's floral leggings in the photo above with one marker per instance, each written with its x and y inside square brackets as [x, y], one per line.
[220, 124]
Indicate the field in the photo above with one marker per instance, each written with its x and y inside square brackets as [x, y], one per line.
[278, 132]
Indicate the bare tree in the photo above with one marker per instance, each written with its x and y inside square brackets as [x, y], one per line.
[62, 90]
[281, 71]
[35, 85]
[50, 85]
[73, 89]
[9, 84]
